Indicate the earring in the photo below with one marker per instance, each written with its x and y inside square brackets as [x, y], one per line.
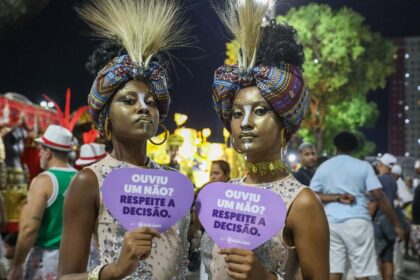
[164, 140]
[283, 141]
[107, 130]
[235, 148]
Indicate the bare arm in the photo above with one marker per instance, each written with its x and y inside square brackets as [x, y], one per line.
[341, 198]
[308, 226]
[30, 221]
[386, 207]
[80, 212]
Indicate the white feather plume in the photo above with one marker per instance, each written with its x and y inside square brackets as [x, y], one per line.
[143, 27]
[244, 20]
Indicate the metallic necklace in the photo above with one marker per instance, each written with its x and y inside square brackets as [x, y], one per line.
[267, 167]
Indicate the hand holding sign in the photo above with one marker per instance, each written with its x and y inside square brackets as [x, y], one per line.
[240, 217]
[153, 198]
[244, 264]
[136, 246]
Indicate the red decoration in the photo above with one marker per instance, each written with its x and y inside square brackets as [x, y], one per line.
[90, 136]
[64, 118]
[15, 113]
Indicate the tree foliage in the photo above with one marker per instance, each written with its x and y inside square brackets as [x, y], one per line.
[344, 61]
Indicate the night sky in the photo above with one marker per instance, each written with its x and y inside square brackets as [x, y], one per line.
[47, 54]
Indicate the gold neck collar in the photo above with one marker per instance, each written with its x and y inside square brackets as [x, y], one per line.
[268, 167]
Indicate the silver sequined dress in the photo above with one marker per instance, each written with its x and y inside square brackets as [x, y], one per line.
[275, 255]
[168, 260]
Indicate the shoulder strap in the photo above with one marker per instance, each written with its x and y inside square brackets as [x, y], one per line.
[54, 182]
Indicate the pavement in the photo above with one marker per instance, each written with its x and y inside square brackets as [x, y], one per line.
[410, 271]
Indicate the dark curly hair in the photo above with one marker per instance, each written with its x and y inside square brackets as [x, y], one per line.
[346, 142]
[108, 50]
[279, 44]
[102, 55]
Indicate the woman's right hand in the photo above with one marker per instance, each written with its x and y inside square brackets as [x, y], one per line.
[137, 246]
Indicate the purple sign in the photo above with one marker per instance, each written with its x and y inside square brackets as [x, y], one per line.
[241, 217]
[154, 198]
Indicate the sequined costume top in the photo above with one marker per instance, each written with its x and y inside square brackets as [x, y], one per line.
[275, 255]
[14, 195]
[168, 260]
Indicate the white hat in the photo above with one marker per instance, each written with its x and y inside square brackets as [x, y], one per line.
[388, 160]
[58, 138]
[90, 153]
[396, 169]
[417, 164]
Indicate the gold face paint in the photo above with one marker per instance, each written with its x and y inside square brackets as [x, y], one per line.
[134, 114]
[255, 127]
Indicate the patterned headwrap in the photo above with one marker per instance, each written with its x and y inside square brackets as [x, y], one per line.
[118, 72]
[282, 87]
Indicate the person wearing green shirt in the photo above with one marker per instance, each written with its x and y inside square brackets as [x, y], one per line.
[41, 218]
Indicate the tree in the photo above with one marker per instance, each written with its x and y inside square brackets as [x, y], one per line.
[348, 115]
[344, 61]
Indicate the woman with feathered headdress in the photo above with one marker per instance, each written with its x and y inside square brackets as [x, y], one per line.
[262, 101]
[128, 101]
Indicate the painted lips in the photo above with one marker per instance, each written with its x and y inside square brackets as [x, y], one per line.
[247, 135]
[143, 119]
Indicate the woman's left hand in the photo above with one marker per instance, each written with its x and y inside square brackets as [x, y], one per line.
[244, 265]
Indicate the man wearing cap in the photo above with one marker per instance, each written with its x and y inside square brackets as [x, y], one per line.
[404, 199]
[405, 196]
[384, 234]
[41, 218]
[90, 153]
[342, 183]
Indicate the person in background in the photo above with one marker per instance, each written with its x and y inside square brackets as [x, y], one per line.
[41, 218]
[219, 171]
[415, 222]
[341, 183]
[89, 154]
[404, 199]
[17, 175]
[375, 166]
[9, 245]
[416, 180]
[308, 160]
[9, 252]
[384, 235]
[404, 193]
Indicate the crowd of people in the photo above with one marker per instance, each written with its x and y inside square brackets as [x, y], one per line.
[371, 208]
[340, 214]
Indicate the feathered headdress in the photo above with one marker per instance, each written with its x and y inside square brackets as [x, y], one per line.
[282, 86]
[244, 18]
[143, 28]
